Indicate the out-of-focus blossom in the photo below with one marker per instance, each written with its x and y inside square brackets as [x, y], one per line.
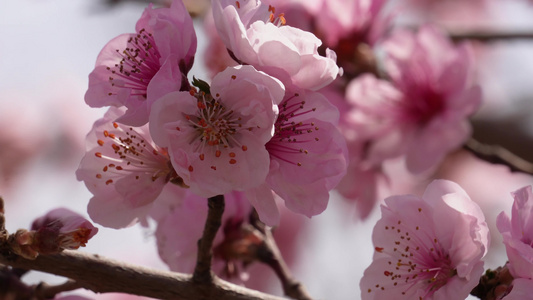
[308, 156]
[517, 233]
[423, 112]
[124, 170]
[256, 36]
[134, 70]
[427, 247]
[217, 141]
[521, 289]
[180, 228]
[54, 232]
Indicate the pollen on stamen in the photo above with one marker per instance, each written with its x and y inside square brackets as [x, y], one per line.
[232, 161]
[244, 148]
[237, 4]
[100, 142]
[115, 124]
[191, 168]
[379, 249]
[233, 77]
[108, 182]
[202, 156]
[218, 153]
[214, 168]
[98, 154]
[99, 176]
[232, 154]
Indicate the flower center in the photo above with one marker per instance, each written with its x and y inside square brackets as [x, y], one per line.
[417, 261]
[131, 153]
[139, 64]
[290, 135]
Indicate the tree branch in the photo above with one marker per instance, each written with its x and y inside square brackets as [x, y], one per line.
[103, 275]
[490, 36]
[498, 155]
[202, 271]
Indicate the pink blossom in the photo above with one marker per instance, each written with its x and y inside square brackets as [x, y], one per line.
[180, 228]
[423, 112]
[124, 170]
[308, 157]
[517, 233]
[521, 289]
[61, 229]
[427, 247]
[217, 141]
[255, 35]
[134, 70]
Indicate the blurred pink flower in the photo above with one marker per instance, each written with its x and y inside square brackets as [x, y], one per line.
[124, 170]
[517, 233]
[217, 141]
[423, 112]
[522, 289]
[134, 70]
[61, 229]
[308, 157]
[179, 229]
[256, 36]
[427, 247]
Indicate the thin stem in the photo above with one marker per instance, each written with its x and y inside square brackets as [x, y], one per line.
[46, 291]
[499, 155]
[490, 36]
[269, 254]
[202, 271]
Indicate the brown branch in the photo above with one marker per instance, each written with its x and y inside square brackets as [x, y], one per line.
[498, 155]
[103, 275]
[46, 291]
[202, 271]
[270, 255]
[490, 36]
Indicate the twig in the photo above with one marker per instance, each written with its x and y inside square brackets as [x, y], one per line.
[270, 255]
[202, 271]
[103, 275]
[498, 155]
[46, 291]
[490, 36]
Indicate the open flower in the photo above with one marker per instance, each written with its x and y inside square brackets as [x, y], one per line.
[133, 70]
[517, 234]
[217, 141]
[423, 112]
[427, 248]
[124, 170]
[255, 35]
[308, 157]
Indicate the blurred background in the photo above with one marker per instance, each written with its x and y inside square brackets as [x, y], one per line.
[48, 48]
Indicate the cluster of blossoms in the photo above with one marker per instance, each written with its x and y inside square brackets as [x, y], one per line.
[258, 132]
[431, 247]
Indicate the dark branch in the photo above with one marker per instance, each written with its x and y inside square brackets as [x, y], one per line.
[499, 155]
[103, 275]
[490, 36]
[202, 271]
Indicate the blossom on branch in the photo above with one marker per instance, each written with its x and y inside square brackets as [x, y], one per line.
[57, 230]
[124, 170]
[308, 157]
[216, 141]
[517, 233]
[257, 36]
[422, 113]
[427, 247]
[134, 70]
